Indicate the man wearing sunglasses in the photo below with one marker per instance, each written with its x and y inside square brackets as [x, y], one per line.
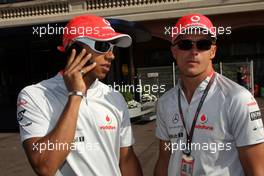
[207, 124]
[73, 124]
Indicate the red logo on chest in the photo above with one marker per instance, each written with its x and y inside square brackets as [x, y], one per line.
[108, 124]
[203, 123]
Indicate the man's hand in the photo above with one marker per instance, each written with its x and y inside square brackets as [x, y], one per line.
[75, 69]
[129, 164]
[161, 168]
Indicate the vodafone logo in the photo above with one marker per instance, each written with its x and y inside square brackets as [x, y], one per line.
[203, 119]
[106, 22]
[108, 124]
[203, 124]
[108, 120]
[195, 19]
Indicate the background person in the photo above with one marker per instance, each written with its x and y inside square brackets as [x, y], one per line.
[75, 109]
[205, 108]
[241, 76]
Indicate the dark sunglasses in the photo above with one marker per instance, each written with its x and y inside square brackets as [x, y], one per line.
[99, 46]
[203, 44]
[103, 47]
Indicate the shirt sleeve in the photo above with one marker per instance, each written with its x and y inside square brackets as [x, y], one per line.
[126, 134]
[161, 129]
[31, 120]
[247, 125]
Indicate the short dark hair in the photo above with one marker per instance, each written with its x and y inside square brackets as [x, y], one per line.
[77, 46]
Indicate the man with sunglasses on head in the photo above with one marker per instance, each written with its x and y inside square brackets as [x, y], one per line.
[73, 124]
[207, 124]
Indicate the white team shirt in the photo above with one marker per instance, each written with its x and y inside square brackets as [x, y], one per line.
[229, 118]
[103, 125]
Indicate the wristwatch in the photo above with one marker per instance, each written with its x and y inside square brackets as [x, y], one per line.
[77, 93]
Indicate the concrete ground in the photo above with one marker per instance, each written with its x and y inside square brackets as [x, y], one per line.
[14, 163]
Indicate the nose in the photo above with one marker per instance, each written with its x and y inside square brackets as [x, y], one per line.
[194, 50]
[109, 56]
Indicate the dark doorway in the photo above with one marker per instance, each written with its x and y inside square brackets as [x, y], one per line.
[25, 59]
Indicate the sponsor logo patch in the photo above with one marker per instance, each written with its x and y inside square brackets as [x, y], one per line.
[255, 115]
[20, 115]
[108, 124]
[203, 124]
[177, 126]
[204, 127]
[203, 119]
[20, 119]
[178, 135]
[79, 139]
[175, 119]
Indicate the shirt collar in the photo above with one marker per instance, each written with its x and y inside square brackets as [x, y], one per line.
[202, 85]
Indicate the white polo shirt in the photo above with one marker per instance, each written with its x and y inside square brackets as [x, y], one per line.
[103, 125]
[229, 118]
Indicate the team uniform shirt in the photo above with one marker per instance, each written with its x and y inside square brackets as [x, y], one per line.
[103, 125]
[229, 118]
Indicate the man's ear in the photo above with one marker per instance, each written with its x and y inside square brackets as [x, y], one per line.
[213, 51]
[173, 51]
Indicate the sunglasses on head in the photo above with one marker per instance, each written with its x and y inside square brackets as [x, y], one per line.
[98, 46]
[203, 44]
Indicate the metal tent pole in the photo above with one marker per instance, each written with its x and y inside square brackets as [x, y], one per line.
[252, 77]
[221, 68]
[173, 74]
